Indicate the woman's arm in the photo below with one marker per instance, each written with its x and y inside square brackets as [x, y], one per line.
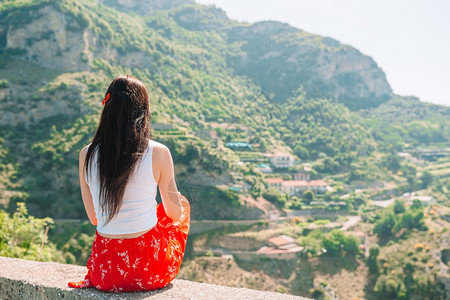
[85, 192]
[166, 182]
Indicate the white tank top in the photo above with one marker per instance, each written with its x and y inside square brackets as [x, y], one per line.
[138, 210]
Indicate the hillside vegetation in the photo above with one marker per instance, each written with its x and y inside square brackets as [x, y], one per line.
[187, 56]
[224, 96]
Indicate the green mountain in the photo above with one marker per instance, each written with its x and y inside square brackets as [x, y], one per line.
[283, 88]
[281, 58]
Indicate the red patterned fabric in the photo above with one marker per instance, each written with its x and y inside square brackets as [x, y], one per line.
[148, 262]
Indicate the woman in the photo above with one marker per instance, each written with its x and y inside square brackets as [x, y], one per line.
[139, 245]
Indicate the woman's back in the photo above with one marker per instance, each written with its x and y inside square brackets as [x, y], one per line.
[139, 245]
[138, 210]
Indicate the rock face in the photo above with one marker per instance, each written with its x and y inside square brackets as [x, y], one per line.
[281, 58]
[45, 36]
[53, 39]
[46, 39]
[276, 56]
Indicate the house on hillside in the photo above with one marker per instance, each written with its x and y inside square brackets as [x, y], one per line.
[302, 175]
[318, 186]
[281, 240]
[275, 183]
[281, 247]
[294, 187]
[281, 160]
[297, 187]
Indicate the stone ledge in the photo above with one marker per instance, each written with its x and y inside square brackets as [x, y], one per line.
[26, 279]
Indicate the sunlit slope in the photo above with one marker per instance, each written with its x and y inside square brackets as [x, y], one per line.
[57, 58]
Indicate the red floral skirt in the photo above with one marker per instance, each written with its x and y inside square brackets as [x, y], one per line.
[145, 263]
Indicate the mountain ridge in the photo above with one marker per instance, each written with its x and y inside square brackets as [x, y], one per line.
[55, 72]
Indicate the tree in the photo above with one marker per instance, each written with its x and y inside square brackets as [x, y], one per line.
[21, 236]
[384, 226]
[301, 152]
[411, 183]
[392, 162]
[191, 153]
[274, 196]
[406, 221]
[332, 243]
[372, 260]
[409, 170]
[416, 204]
[418, 221]
[389, 287]
[308, 196]
[338, 243]
[399, 207]
[351, 244]
[426, 179]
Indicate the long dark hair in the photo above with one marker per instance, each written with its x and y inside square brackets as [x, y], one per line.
[121, 140]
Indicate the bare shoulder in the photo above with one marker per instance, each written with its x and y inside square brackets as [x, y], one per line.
[160, 159]
[160, 150]
[83, 151]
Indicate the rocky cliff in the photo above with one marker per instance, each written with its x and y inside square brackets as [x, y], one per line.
[276, 56]
[46, 36]
[281, 59]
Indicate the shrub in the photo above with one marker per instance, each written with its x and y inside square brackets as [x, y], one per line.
[399, 207]
[317, 293]
[308, 196]
[21, 236]
[416, 204]
[390, 287]
[338, 243]
[4, 83]
[418, 246]
[274, 196]
[312, 240]
[372, 260]
[384, 226]
[426, 179]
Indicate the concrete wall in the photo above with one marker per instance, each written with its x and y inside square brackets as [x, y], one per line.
[24, 279]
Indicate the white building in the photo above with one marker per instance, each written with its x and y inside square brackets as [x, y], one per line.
[282, 160]
[297, 187]
[302, 175]
[274, 183]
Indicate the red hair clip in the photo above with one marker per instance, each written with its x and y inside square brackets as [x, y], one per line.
[105, 99]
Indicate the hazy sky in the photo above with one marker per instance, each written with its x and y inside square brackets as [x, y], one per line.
[409, 39]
